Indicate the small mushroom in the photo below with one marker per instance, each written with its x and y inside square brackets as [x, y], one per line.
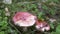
[24, 19]
[7, 13]
[42, 26]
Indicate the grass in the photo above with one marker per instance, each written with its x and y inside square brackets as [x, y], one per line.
[49, 8]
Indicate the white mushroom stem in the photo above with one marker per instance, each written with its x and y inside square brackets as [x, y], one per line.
[24, 29]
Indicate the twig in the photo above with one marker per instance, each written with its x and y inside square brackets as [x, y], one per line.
[9, 21]
[14, 27]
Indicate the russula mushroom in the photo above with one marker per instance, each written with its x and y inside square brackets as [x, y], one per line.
[24, 19]
[42, 26]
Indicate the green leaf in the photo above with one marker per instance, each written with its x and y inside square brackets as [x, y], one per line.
[2, 32]
[58, 28]
[40, 15]
[51, 25]
[45, 7]
[52, 12]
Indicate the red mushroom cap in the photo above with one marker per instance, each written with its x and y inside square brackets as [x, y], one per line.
[24, 19]
[42, 26]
